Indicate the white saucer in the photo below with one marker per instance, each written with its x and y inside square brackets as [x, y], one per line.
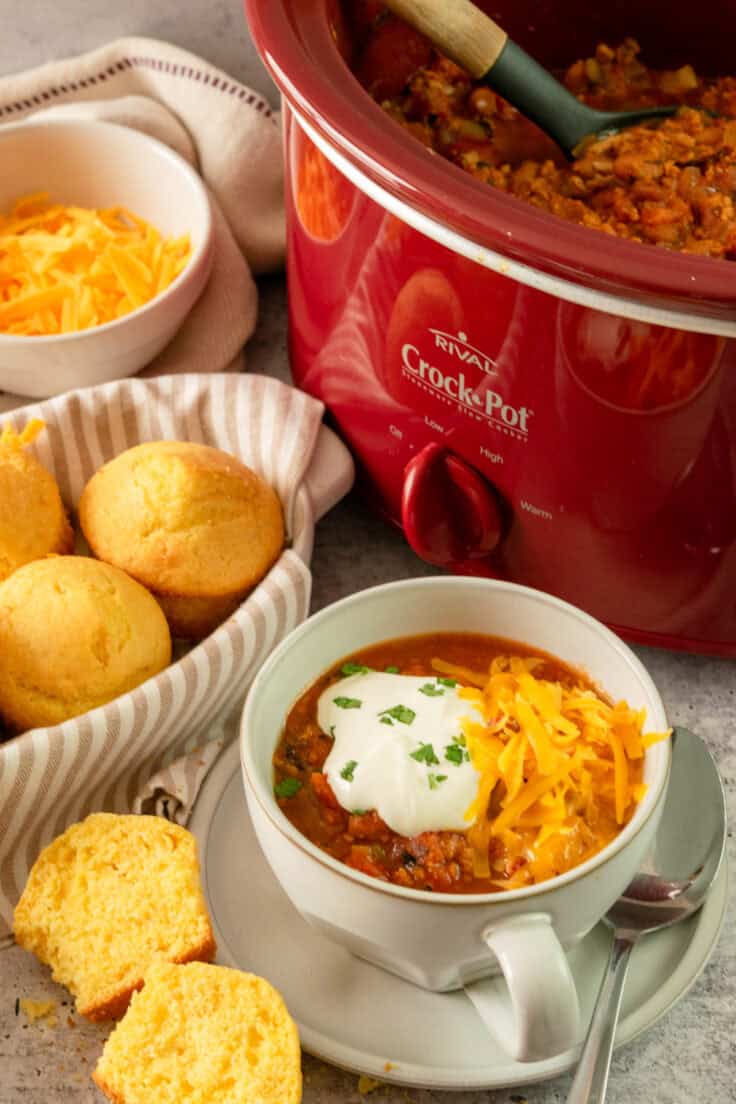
[367, 1021]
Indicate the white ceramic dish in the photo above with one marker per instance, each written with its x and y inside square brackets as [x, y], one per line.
[443, 941]
[359, 1017]
[95, 164]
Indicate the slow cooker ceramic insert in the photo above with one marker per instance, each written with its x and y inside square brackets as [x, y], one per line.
[527, 398]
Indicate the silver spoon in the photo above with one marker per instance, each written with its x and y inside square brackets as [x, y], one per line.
[673, 884]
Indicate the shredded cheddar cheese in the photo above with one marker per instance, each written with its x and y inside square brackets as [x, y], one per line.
[9, 438]
[560, 770]
[65, 268]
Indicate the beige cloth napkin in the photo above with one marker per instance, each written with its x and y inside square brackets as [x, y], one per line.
[226, 131]
[149, 750]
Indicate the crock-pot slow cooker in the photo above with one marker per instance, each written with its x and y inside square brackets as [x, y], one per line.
[526, 397]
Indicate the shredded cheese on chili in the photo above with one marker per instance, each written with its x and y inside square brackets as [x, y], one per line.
[560, 770]
[65, 268]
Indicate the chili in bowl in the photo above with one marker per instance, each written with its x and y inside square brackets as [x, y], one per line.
[459, 763]
[492, 835]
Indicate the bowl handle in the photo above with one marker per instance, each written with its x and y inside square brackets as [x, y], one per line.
[535, 1014]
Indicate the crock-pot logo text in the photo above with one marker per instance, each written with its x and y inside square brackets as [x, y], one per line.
[455, 380]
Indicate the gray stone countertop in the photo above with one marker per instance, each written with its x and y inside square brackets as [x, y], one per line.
[690, 1054]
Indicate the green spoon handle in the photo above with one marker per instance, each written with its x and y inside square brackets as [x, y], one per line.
[537, 94]
[467, 35]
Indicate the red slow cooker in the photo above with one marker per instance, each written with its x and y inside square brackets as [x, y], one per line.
[528, 398]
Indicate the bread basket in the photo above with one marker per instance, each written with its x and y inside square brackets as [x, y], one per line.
[119, 756]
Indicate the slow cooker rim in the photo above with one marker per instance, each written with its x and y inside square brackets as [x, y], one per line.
[653, 312]
[346, 115]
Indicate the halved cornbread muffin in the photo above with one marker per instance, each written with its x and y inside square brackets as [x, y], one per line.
[205, 1035]
[109, 898]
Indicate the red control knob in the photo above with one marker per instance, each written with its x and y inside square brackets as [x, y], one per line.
[449, 513]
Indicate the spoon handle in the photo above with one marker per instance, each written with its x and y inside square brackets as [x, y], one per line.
[591, 1078]
[462, 31]
[472, 39]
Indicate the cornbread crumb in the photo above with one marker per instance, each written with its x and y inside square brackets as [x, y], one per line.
[36, 1010]
[367, 1084]
[106, 899]
[202, 1034]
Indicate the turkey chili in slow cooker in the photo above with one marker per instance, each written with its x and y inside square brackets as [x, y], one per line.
[671, 183]
[459, 763]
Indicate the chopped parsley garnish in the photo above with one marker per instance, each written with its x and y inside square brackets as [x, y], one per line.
[348, 703]
[431, 691]
[287, 787]
[358, 812]
[332, 732]
[446, 681]
[392, 670]
[386, 720]
[455, 754]
[400, 713]
[435, 779]
[354, 669]
[347, 770]
[424, 754]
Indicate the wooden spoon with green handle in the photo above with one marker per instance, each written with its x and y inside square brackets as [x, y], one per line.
[464, 33]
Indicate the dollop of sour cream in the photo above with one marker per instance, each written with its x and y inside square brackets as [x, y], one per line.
[399, 749]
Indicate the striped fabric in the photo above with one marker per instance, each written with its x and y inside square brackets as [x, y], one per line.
[148, 749]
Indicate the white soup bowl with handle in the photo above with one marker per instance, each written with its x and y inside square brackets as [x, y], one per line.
[442, 941]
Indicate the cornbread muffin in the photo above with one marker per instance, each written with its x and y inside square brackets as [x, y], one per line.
[33, 521]
[74, 633]
[202, 1035]
[190, 522]
[195, 618]
[106, 900]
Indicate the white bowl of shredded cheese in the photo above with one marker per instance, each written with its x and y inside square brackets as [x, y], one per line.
[106, 243]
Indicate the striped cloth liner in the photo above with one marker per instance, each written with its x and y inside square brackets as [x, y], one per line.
[149, 750]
